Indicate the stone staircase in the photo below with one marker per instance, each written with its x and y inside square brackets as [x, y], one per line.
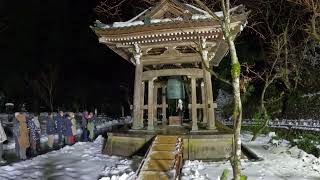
[163, 160]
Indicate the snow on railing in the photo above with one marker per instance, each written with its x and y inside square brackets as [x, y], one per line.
[103, 122]
[301, 124]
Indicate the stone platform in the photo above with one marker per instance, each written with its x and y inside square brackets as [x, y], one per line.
[200, 145]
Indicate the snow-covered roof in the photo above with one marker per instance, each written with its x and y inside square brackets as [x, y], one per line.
[197, 14]
[136, 21]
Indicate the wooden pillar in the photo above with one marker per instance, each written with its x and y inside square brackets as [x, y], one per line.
[142, 102]
[150, 106]
[208, 92]
[164, 108]
[137, 92]
[194, 104]
[205, 108]
[155, 103]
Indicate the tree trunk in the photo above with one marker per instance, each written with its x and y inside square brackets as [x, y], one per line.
[235, 72]
[237, 112]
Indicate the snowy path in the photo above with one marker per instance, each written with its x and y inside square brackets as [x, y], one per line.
[82, 161]
[280, 163]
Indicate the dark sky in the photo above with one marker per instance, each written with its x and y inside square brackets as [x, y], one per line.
[57, 32]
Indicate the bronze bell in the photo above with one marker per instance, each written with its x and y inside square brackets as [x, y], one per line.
[175, 89]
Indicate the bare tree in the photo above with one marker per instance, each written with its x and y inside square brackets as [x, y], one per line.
[280, 30]
[312, 7]
[267, 76]
[117, 10]
[45, 84]
[109, 8]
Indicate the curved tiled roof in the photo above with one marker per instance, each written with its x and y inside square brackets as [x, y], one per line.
[170, 22]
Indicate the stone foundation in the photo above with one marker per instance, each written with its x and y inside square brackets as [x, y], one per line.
[208, 147]
[201, 147]
[125, 144]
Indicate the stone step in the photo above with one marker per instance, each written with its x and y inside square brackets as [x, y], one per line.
[158, 165]
[164, 147]
[152, 175]
[166, 140]
[166, 155]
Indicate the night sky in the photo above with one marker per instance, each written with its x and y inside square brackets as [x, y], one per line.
[35, 34]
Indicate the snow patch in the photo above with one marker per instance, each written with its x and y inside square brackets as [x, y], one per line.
[309, 95]
[127, 24]
[272, 134]
[279, 162]
[124, 176]
[99, 140]
[121, 170]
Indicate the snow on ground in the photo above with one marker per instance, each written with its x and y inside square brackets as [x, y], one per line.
[311, 94]
[82, 161]
[280, 162]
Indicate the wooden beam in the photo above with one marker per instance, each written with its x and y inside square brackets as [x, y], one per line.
[150, 106]
[184, 42]
[154, 60]
[137, 116]
[203, 100]
[147, 75]
[208, 92]
[193, 105]
[164, 105]
[142, 103]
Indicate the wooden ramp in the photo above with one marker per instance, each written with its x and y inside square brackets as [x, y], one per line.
[163, 160]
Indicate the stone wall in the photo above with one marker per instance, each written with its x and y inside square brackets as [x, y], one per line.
[200, 147]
